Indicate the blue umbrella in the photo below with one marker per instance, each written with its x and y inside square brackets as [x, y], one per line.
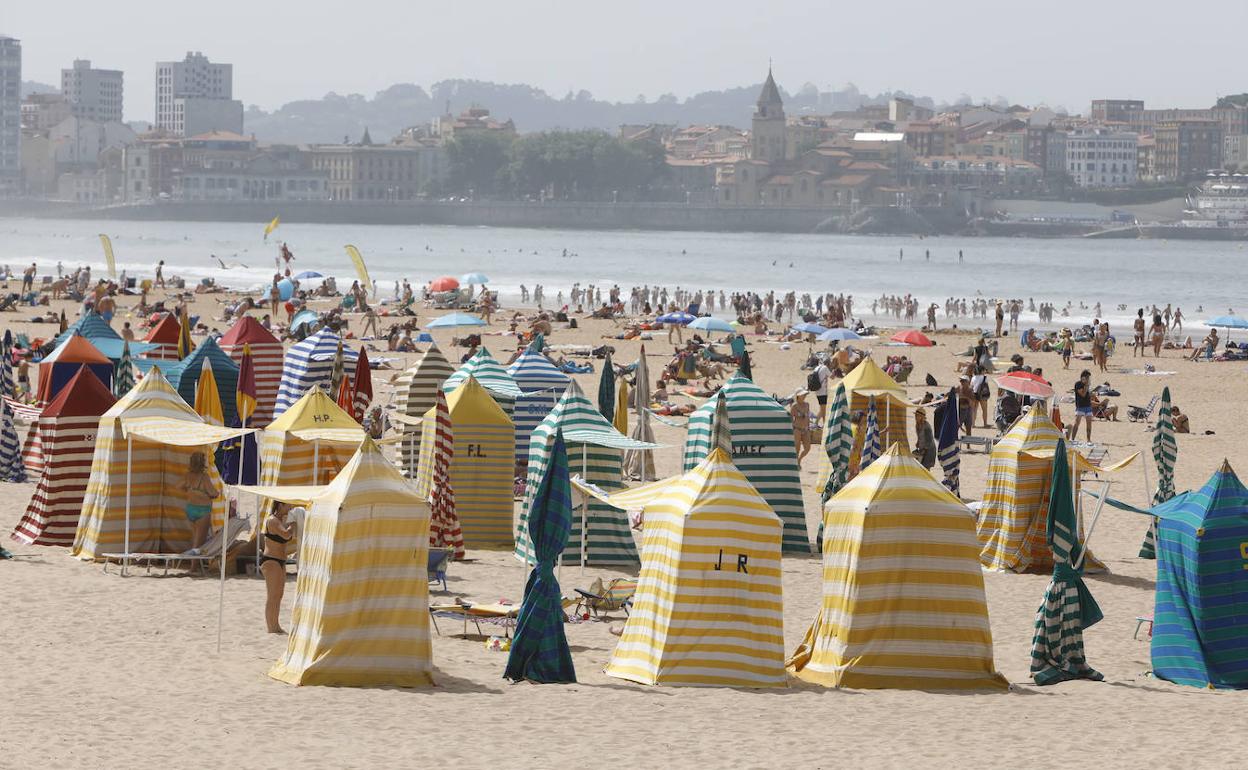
[539, 650]
[424, 337]
[306, 274]
[839, 335]
[809, 328]
[309, 318]
[1228, 322]
[679, 318]
[473, 278]
[451, 320]
[709, 324]
[947, 448]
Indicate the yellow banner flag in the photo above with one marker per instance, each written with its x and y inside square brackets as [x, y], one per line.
[361, 269]
[271, 226]
[108, 256]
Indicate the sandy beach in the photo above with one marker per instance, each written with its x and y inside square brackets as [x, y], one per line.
[104, 671]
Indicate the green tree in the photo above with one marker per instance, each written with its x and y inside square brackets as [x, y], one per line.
[477, 162]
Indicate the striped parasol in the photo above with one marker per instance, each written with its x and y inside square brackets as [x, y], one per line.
[362, 392]
[640, 463]
[208, 398]
[1165, 451]
[838, 445]
[8, 387]
[11, 466]
[185, 346]
[1068, 607]
[606, 390]
[444, 529]
[947, 449]
[336, 371]
[123, 376]
[871, 442]
[346, 395]
[539, 650]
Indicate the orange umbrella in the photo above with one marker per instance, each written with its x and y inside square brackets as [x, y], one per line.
[913, 337]
[445, 283]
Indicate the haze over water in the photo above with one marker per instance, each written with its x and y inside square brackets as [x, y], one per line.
[1187, 274]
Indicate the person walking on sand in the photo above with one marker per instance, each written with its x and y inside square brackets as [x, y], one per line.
[1083, 405]
[28, 278]
[160, 274]
[1158, 334]
[278, 532]
[1137, 346]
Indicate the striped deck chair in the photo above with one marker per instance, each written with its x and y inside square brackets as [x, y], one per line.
[616, 595]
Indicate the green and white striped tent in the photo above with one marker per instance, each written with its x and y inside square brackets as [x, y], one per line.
[762, 449]
[595, 449]
[415, 392]
[501, 386]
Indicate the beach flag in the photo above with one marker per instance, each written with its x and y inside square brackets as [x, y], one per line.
[245, 394]
[444, 529]
[621, 408]
[270, 227]
[1165, 451]
[123, 376]
[207, 398]
[346, 395]
[109, 259]
[606, 390]
[11, 466]
[947, 449]
[185, 346]
[1068, 607]
[361, 269]
[362, 393]
[539, 648]
[871, 442]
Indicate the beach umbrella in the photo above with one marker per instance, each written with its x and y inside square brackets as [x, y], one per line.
[185, 346]
[710, 324]
[63, 323]
[620, 421]
[245, 394]
[606, 390]
[444, 528]
[871, 442]
[123, 375]
[445, 283]
[8, 386]
[640, 462]
[346, 395]
[1068, 607]
[539, 647]
[1228, 322]
[1165, 452]
[913, 337]
[308, 274]
[207, 398]
[677, 319]
[839, 335]
[1025, 384]
[838, 445]
[336, 372]
[947, 449]
[363, 381]
[721, 428]
[11, 466]
[452, 320]
[473, 279]
[809, 328]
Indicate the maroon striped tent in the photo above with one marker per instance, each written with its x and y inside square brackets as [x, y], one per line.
[63, 443]
[266, 356]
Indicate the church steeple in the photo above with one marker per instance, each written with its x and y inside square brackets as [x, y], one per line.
[768, 141]
[769, 101]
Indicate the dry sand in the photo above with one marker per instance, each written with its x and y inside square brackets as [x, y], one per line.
[103, 671]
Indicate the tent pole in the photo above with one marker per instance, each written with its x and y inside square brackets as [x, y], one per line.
[1096, 514]
[125, 557]
[584, 502]
[316, 461]
[225, 527]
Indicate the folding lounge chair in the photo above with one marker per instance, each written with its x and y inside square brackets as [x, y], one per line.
[439, 559]
[210, 551]
[616, 595]
[495, 614]
[1142, 413]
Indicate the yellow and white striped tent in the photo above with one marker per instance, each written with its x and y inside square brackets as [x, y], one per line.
[1012, 517]
[309, 443]
[142, 449]
[482, 466]
[867, 381]
[415, 392]
[708, 609]
[903, 594]
[361, 613]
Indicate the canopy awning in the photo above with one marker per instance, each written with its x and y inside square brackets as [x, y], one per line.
[294, 494]
[331, 435]
[165, 430]
[611, 439]
[1082, 464]
[627, 499]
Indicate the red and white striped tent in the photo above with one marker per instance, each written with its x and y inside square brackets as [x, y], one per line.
[164, 335]
[266, 357]
[59, 457]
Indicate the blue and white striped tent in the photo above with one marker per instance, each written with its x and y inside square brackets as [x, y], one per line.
[543, 385]
[184, 376]
[496, 381]
[11, 466]
[308, 364]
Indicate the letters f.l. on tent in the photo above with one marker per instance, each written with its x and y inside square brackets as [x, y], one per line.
[497, 382]
[62, 446]
[361, 612]
[762, 449]
[415, 392]
[482, 464]
[708, 609]
[266, 356]
[1200, 637]
[903, 594]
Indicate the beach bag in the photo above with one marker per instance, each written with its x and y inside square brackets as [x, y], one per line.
[812, 381]
[982, 392]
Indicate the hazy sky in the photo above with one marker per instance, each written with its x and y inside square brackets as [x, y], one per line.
[1058, 52]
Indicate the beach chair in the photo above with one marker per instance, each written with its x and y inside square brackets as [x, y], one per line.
[1142, 413]
[503, 615]
[209, 552]
[1140, 620]
[439, 560]
[615, 595]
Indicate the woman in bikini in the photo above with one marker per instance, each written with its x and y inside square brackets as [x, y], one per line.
[799, 411]
[200, 493]
[1157, 333]
[277, 535]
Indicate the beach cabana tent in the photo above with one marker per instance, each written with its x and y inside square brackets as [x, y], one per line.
[543, 385]
[496, 381]
[361, 612]
[134, 501]
[708, 609]
[595, 453]
[163, 338]
[266, 357]
[868, 381]
[184, 376]
[60, 366]
[1199, 634]
[59, 459]
[482, 465]
[309, 364]
[762, 447]
[93, 326]
[903, 594]
[1011, 524]
[309, 443]
[415, 392]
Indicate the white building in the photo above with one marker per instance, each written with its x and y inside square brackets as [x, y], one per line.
[1097, 157]
[10, 113]
[1235, 151]
[194, 93]
[78, 142]
[92, 94]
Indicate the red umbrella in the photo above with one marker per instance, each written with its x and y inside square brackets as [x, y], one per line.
[1025, 384]
[445, 283]
[913, 337]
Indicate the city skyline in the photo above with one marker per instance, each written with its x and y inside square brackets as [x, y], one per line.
[280, 58]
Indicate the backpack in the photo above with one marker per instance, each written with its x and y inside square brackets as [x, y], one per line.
[813, 383]
[982, 392]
